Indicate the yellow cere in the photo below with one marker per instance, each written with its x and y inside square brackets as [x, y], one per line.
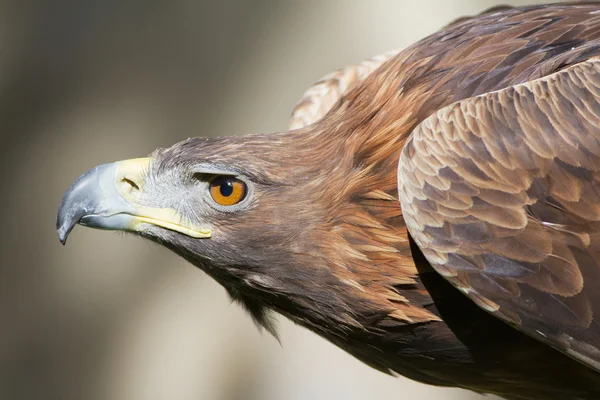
[129, 180]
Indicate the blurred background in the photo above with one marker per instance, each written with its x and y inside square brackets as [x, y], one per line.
[87, 82]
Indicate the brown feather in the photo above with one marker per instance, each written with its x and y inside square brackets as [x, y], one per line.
[477, 56]
[552, 302]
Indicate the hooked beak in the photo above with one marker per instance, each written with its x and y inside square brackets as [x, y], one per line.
[106, 198]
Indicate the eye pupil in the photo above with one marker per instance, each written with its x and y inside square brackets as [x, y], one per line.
[226, 188]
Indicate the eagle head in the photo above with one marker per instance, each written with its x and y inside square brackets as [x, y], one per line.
[262, 214]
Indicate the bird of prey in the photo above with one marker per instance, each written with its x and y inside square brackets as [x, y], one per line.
[435, 212]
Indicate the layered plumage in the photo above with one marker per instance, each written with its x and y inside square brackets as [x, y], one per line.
[488, 133]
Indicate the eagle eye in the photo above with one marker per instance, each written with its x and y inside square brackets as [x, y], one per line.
[227, 190]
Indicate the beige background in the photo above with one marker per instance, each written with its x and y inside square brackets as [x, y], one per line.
[87, 82]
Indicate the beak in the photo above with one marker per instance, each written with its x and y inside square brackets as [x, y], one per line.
[106, 198]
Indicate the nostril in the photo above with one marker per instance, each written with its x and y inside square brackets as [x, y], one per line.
[132, 185]
[130, 176]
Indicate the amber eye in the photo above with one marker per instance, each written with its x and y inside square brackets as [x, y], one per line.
[227, 190]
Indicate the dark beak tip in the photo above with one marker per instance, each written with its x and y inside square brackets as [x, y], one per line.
[62, 240]
[74, 203]
[65, 222]
[63, 234]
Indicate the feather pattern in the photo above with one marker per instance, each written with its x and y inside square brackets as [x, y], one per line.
[524, 244]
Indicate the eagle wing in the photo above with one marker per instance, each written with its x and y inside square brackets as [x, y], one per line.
[325, 93]
[501, 192]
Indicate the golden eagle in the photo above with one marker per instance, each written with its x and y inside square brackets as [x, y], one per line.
[435, 211]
